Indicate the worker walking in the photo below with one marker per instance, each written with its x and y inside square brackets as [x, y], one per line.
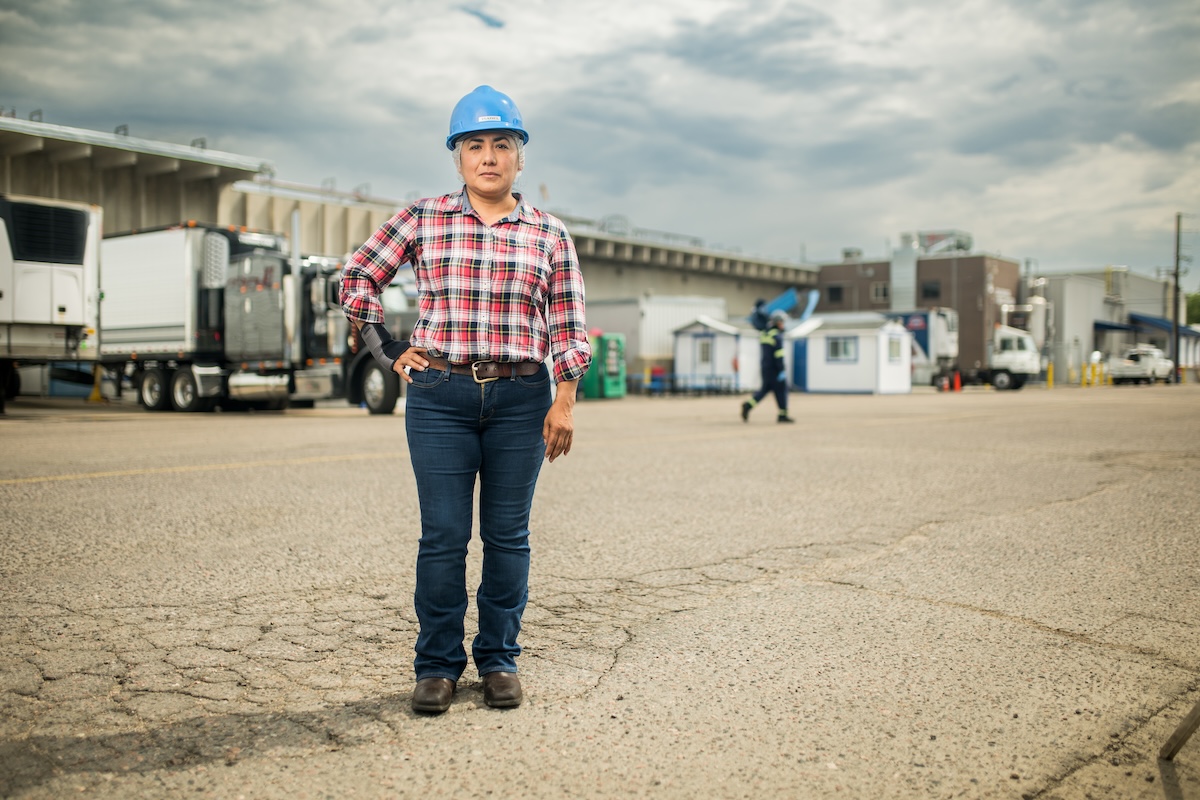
[774, 370]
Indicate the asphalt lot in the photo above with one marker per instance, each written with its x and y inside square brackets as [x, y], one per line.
[973, 594]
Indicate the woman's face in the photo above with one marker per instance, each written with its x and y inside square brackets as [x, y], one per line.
[489, 163]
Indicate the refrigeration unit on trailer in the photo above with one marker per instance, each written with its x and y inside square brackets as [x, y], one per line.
[49, 285]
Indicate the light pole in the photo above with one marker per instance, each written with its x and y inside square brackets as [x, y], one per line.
[1175, 302]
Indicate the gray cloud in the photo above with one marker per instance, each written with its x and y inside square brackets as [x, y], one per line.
[762, 123]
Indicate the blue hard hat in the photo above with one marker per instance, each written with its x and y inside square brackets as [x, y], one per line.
[485, 109]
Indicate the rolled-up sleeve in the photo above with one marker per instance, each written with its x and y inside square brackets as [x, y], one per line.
[374, 265]
[565, 313]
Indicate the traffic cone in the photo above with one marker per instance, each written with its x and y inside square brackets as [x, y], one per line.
[957, 381]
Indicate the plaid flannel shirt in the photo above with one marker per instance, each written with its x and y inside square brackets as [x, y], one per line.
[507, 292]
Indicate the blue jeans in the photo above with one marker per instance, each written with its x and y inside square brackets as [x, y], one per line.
[458, 430]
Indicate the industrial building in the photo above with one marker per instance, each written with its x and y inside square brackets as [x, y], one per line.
[1072, 316]
[142, 184]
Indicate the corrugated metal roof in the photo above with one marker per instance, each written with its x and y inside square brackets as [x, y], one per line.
[19, 136]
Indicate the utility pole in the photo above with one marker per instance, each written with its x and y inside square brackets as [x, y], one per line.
[1175, 301]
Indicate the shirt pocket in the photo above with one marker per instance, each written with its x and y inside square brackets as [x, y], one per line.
[520, 272]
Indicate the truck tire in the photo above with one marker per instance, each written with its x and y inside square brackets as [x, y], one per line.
[1017, 382]
[12, 384]
[1002, 380]
[185, 396]
[152, 390]
[380, 391]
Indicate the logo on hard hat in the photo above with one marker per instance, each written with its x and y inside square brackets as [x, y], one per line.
[489, 119]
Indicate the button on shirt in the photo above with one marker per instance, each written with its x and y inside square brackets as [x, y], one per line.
[506, 292]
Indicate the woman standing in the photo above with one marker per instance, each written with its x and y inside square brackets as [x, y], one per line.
[499, 294]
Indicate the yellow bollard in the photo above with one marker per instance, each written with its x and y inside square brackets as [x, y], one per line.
[1050, 375]
[97, 375]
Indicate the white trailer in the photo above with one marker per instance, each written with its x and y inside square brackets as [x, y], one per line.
[202, 316]
[934, 342]
[49, 285]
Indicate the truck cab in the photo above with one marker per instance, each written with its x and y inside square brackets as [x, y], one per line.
[368, 384]
[1014, 358]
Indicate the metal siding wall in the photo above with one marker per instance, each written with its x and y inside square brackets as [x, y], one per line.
[661, 316]
[903, 293]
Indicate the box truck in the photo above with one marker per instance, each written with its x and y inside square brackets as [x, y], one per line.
[934, 343]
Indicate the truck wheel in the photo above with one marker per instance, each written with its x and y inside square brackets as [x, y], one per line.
[184, 394]
[153, 390]
[1018, 382]
[1002, 381]
[10, 381]
[380, 391]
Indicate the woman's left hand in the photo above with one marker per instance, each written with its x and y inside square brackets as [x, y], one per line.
[559, 429]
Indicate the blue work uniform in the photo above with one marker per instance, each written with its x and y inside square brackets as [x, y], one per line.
[774, 378]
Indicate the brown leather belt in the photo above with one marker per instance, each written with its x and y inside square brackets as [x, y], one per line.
[487, 371]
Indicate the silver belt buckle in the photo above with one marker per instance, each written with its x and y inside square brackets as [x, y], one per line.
[475, 373]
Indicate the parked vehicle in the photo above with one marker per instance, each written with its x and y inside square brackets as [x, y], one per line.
[934, 343]
[1142, 363]
[367, 383]
[1010, 357]
[49, 285]
[1013, 359]
[200, 316]
[328, 336]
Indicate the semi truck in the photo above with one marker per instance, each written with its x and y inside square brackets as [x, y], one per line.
[1010, 358]
[199, 316]
[49, 286]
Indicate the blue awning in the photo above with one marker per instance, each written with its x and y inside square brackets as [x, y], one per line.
[1143, 321]
[1105, 325]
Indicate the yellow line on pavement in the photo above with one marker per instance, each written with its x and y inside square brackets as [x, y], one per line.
[121, 473]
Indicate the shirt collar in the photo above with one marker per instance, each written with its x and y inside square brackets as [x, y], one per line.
[521, 212]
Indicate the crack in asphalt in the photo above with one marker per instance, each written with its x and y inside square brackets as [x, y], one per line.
[173, 686]
[169, 686]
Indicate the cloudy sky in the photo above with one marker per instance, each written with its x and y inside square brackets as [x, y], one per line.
[1063, 131]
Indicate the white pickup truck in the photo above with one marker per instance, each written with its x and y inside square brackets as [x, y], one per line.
[1141, 364]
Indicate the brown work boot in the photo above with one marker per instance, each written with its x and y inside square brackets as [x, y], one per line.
[502, 690]
[433, 695]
